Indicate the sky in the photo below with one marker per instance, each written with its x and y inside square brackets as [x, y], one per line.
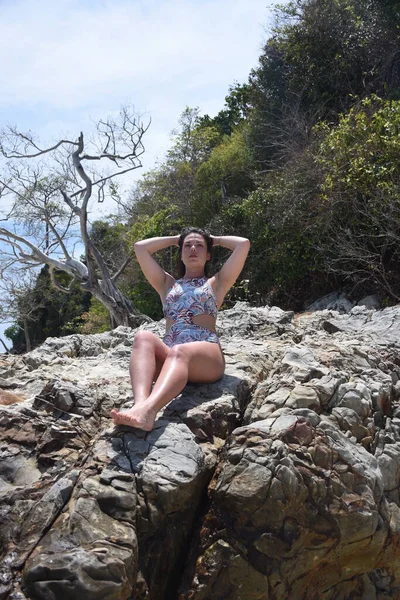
[68, 63]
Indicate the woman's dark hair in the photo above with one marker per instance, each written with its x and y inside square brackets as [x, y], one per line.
[185, 232]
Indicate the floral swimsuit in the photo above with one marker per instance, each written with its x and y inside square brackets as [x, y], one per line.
[186, 299]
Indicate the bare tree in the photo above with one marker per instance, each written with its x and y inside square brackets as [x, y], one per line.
[46, 193]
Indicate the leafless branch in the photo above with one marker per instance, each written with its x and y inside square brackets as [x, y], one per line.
[121, 269]
[26, 140]
[4, 346]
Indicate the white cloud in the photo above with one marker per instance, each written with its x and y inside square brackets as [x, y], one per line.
[68, 54]
[73, 61]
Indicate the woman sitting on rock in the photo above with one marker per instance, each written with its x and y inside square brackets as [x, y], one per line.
[190, 350]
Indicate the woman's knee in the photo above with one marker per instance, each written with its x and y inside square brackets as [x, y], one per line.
[144, 337]
[178, 352]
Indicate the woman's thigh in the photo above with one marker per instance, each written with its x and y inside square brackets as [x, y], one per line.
[205, 361]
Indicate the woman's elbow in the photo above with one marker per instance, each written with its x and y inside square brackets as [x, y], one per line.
[138, 249]
[138, 246]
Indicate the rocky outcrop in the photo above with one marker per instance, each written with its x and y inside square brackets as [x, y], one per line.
[279, 481]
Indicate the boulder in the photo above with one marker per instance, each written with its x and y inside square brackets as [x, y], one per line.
[279, 481]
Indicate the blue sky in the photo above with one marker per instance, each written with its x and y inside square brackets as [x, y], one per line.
[68, 63]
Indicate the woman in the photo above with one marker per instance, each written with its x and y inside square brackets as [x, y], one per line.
[190, 350]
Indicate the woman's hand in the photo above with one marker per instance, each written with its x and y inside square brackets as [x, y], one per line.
[216, 239]
[175, 241]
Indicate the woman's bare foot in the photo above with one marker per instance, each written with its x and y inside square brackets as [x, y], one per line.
[137, 416]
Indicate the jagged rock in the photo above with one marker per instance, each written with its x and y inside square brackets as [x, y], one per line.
[91, 550]
[289, 497]
[371, 301]
[279, 481]
[334, 301]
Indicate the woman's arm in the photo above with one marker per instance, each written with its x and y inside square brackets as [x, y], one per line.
[155, 275]
[227, 276]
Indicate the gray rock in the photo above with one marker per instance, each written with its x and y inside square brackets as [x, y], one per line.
[280, 480]
[334, 301]
[370, 302]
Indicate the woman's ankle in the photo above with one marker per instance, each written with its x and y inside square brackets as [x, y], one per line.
[139, 400]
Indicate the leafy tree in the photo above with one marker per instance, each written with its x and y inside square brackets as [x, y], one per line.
[172, 185]
[95, 320]
[323, 54]
[237, 109]
[279, 216]
[360, 198]
[225, 175]
[191, 143]
[111, 237]
[202, 170]
[41, 311]
[19, 304]
[170, 189]
[162, 222]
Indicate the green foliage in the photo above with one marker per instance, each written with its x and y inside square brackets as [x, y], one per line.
[12, 332]
[111, 239]
[146, 299]
[302, 159]
[106, 235]
[225, 174]
[96, 319]
[278, 218]
[266, 174]
[164, 222]
[237, 109]
[201, 171]
[57, 314]
[172, 186]
[322, 55]
[192, 143]
[361, 154]
[360, 197]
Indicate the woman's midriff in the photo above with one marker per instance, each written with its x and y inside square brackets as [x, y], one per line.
[206, 321]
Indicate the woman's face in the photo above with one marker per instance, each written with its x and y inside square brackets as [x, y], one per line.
[194, 250]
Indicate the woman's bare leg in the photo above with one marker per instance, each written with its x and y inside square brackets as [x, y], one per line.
[147, 357]
[200, 362]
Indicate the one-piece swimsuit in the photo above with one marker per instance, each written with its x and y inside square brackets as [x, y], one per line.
[186, 299]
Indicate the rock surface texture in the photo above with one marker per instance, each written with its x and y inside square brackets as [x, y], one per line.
[280, 481]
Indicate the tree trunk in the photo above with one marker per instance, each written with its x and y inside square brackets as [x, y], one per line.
[28, 345]
[122, 311]
[5, 347]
